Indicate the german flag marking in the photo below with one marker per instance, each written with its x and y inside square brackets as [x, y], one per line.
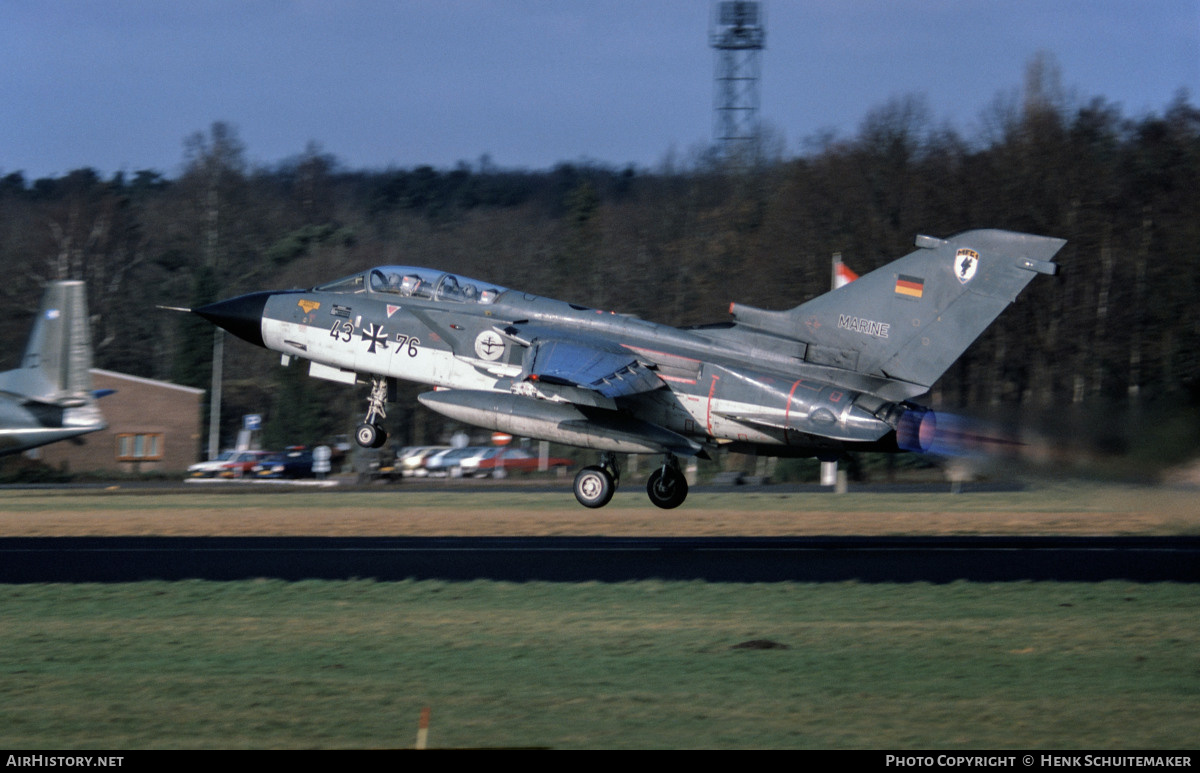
[910, 286]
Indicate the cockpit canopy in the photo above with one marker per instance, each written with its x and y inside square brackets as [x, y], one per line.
[410, 282]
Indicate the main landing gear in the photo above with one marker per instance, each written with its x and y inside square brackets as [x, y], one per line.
[667, 487]
[595, 485]
[370, 434]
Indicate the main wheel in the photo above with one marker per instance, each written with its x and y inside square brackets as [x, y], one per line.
[593, 487]
[667, 489]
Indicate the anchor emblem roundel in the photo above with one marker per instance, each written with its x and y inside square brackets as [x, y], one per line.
[489, 345]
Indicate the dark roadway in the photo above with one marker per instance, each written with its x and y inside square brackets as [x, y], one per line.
[604, 559]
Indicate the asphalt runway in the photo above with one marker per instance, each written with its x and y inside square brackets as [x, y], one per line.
[603, 559]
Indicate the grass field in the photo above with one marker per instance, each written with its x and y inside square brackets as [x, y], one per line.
[644, 665]
[271, 664]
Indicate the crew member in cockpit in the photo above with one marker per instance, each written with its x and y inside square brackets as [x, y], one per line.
[449, 289]
[409, 285]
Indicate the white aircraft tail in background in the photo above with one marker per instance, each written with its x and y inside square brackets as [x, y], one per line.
[49, 397]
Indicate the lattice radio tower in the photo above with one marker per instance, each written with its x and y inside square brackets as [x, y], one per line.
[738, 34]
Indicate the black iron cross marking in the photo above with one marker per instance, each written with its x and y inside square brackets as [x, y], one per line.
[376, 337]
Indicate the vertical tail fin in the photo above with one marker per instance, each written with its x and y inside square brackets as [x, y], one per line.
[58, 356]
[911, 319]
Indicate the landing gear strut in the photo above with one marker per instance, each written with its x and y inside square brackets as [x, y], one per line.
[370, 434]
[595, 485]
[667, 487]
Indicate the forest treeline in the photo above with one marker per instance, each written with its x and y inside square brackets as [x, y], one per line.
[675, 244]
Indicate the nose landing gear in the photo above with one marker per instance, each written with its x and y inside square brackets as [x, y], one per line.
[370, 434]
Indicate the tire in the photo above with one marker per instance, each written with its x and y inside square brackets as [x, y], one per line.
[365, 435]
[593, 487]
[667, 491]
[370, 436]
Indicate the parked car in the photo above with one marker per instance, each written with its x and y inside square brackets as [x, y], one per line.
[242, 464]
[411, 460]
[228, 464]
[293, 463]
[210, 468]
[498, 462]
[446, 463]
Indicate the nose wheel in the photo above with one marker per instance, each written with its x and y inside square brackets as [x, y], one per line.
[370, 434]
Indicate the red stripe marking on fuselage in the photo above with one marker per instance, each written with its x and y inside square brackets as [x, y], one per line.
[708, 418]
[787, 411]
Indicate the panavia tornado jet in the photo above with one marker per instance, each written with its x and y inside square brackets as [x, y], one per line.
[837, 373]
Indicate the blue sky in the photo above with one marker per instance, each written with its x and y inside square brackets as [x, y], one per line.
[118, 84]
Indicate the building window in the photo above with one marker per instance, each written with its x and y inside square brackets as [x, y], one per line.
[139, 447]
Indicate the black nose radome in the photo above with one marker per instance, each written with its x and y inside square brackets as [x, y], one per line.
[241, 316]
